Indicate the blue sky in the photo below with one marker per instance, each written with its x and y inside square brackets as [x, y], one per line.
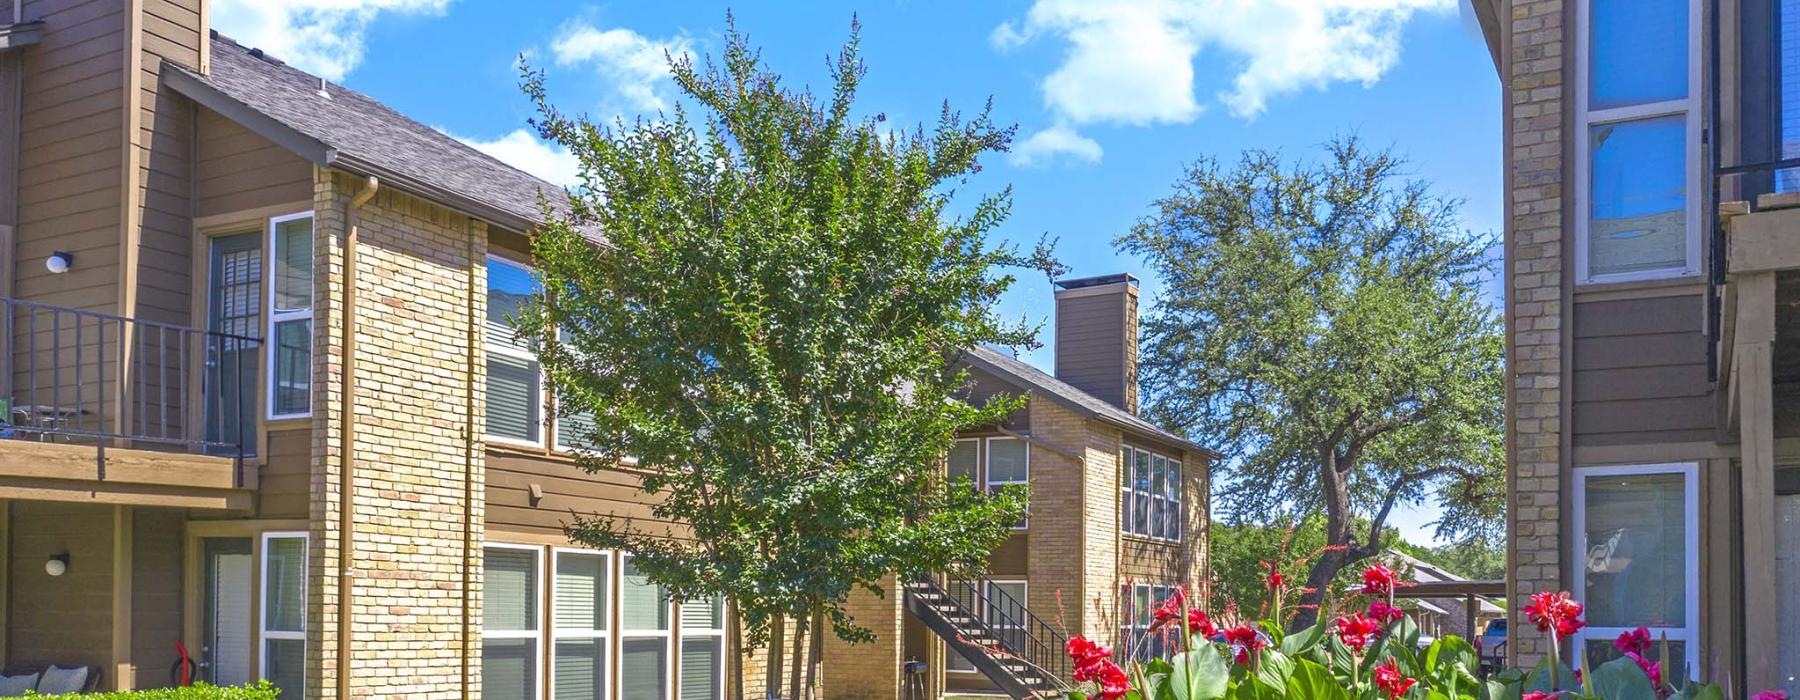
[1111, 98]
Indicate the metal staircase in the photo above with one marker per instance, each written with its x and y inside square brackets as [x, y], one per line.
[1015, 649]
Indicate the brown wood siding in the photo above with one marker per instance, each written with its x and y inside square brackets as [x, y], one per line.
[985, 387]
[237, 170]
[69, 154]
[156, 595]
[1090, 343]
[285, 482]
[1640, 372]
[1159, 563]
[9, 151]
[65, 619]
[1012, 559]
[567, 489]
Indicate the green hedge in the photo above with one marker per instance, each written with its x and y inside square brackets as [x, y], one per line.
[198, 691]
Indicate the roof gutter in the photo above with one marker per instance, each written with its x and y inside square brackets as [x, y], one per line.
[462, 204]
[347, 455]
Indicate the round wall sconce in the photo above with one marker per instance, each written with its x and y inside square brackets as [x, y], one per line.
[57, 564]
[59, 262]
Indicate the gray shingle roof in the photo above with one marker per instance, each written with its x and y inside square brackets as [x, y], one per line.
[1032, 379]
[335, 126]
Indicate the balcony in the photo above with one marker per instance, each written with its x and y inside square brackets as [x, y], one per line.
[102, 408]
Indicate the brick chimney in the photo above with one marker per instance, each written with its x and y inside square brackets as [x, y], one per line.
[1097, 337]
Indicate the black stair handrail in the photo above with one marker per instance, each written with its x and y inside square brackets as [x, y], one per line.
[1020, 632]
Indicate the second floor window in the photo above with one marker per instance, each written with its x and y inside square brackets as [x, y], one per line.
[1150, 490]
[1638, 140]
[515, 386]
[290, 316]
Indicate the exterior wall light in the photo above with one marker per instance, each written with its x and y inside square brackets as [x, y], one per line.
[57, 565]
[59, 262]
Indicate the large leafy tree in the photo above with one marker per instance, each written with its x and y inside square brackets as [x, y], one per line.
[1324, 324]
[768, 337]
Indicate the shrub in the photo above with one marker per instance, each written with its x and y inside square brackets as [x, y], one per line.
[198, 691]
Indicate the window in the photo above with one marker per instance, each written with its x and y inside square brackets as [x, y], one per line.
[965, 458]
[578, 629]
[1637, 528]
[1140, 602]
[1638, 163]
[284, 612]
[515, 387]
[1005, 612]
[1150, 499]
[703, 649]
[644, 637]
[1008, 463]
[509, 623]
[290, 316]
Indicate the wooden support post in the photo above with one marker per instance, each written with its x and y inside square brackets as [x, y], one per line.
[123, 675]
[1753, 366]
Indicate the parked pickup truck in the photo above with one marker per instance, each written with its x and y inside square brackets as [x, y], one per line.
[1491, 645]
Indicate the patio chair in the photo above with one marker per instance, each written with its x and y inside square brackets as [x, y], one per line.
[48, 679]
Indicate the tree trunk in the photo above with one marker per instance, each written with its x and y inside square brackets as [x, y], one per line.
[795, 679]
[734, 651]
[1341, 550]
[815, 656]
[772, 669]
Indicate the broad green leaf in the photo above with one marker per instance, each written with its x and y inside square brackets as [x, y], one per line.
[1543, 679]
[1303, 641]
[1272, 671]
[1201, 674]
[1311, 681]
[1621, 679]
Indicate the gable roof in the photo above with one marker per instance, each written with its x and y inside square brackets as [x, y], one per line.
[1031, 379]
[337, 127]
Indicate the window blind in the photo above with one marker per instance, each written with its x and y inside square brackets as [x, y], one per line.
[580, 591]
[508, 669]
[580, 669]
[700, 668]
[510, 580]
[643, 668]
[513, 401]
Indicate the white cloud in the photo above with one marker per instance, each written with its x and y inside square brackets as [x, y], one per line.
[1131, 62]
[522, 149]
[1045, 146]
[324, 37]
[636, 66]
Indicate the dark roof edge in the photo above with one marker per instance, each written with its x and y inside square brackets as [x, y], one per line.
[20, 34]
[1487, 14]
[1084, 411]
[196, 89]
[322, 154]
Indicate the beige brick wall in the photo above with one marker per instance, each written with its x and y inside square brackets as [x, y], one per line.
[1536, 293]
[415, 462]
[869, 671]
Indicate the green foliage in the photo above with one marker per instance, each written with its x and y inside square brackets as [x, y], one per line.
[1475, 559]
[1324, 324]
[198, 691]
[770, 331]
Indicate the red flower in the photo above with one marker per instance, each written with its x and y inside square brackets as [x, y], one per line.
[1378, 580]
[1169, 610]
[1275, 578]
[1636, 641]
[1113, 682]
[1085, 653]
[1357, 631]
[1555, 611]
[1651, 669]
[1198, 623]
[1539, 695]
[1246, 640]
[1771, 695]
[1389, 679]
[1386, 614]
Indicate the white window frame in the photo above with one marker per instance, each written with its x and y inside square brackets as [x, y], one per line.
[978, 476]
[608, 607]
[1585, 119]
[667, 634]
[1024, 600]
[276, 317]
[1690, 472]
[987, 480]
[1134, 633]
[263, 633]
[541, 616]
[717, 633]
[1130, 526]
[546, 412]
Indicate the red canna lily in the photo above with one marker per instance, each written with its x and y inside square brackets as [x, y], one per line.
[1539, 695]
[1555, 611]
[1113, 682]
[1357, 631]
[1246, 640]
[1378, 580]
[1386, 614]
[1275, 579]
[1086, 653]
[1636, 641]
[1389, 679]
[1771, 695]
[1198, 623]
[1169, 611]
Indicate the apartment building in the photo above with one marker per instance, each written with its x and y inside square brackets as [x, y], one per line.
[264, 418]
[1651, 246]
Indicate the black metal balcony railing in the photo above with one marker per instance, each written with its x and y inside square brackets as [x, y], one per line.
[1019, 631]
[76, 376]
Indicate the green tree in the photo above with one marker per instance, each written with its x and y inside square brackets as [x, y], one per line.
[1324, 324]
[770, 331]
